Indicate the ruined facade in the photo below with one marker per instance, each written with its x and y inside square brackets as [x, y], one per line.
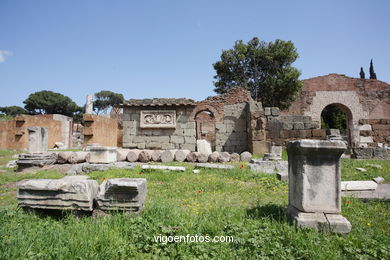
[178, 123]
[233, 122]
[366, 103]
[14, 133]
[101, 130]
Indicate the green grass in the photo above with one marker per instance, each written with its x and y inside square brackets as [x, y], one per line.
[239, 203]
[349, 172]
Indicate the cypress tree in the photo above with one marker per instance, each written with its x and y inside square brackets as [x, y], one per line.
[362, 74]
[372, 73]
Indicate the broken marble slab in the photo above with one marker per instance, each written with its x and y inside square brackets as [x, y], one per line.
[122, 194]
[163, 167]
[68, 193]
[36, 159]
[88, 167]
[269, 167]
[358, 185]
[214, 166]
[379, 179]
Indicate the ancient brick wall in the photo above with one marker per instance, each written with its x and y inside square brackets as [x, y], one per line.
[374, 132]
[16, 137]
[360, 98]
[231, 113]
[100, 130]
[7, 134]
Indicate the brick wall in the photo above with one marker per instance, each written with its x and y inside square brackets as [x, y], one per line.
[374, 132]
[14, 134]
[100, 130]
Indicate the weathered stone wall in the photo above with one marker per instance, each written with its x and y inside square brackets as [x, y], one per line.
[232, 131]
[281, 129]
[228, 111]
[14, 134]
[100, 130]
[7, 134]
[359, 98]
[256, 125]
[374, 132]
[231, 113]
[181, 137]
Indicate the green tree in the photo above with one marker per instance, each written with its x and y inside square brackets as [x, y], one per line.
[333, 117]
[13, 110]
[262, 68]
[48, 102]
[106, 99]
[362, 74]
[372, 72]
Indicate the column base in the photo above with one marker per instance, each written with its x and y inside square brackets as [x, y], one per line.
[319, 221]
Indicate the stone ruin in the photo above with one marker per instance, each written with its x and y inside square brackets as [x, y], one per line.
[122, 194]
[271, 163]
[314, 198]
[37, 139]
[68, 193]
[81, 194]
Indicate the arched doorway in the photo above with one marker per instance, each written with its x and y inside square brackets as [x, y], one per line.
[205, 127]
[338, 116]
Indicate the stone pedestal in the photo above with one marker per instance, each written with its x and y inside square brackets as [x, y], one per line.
[314, 185]
[100, 154]
[37, 139]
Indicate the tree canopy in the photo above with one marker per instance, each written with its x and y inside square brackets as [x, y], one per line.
[106, 99]
[362, 74]
[13, 110]
[262, 68]
[48, 102]
[372, 72]
[333, 117]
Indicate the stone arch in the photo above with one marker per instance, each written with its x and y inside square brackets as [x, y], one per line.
[205, 126]
[205, 107]
[349, 116]
[347, 100]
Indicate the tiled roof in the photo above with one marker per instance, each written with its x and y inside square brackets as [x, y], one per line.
[159, 102]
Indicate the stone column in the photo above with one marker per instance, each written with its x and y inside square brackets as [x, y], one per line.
[89, 105]
[37, 139]
[314, 185]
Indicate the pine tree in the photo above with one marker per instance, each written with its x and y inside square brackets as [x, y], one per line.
[372, 73]
[362, 74]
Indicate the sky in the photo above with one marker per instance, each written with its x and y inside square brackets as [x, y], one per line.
[146, 49]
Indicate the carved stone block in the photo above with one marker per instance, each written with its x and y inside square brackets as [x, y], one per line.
[158, 119]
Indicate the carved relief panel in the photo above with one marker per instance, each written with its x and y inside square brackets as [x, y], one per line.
[158, 119]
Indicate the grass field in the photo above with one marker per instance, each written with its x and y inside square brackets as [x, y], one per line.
[239, 203]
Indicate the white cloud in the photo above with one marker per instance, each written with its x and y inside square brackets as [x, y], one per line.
[4, 54]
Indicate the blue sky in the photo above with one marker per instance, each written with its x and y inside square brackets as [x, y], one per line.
[146, 49]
